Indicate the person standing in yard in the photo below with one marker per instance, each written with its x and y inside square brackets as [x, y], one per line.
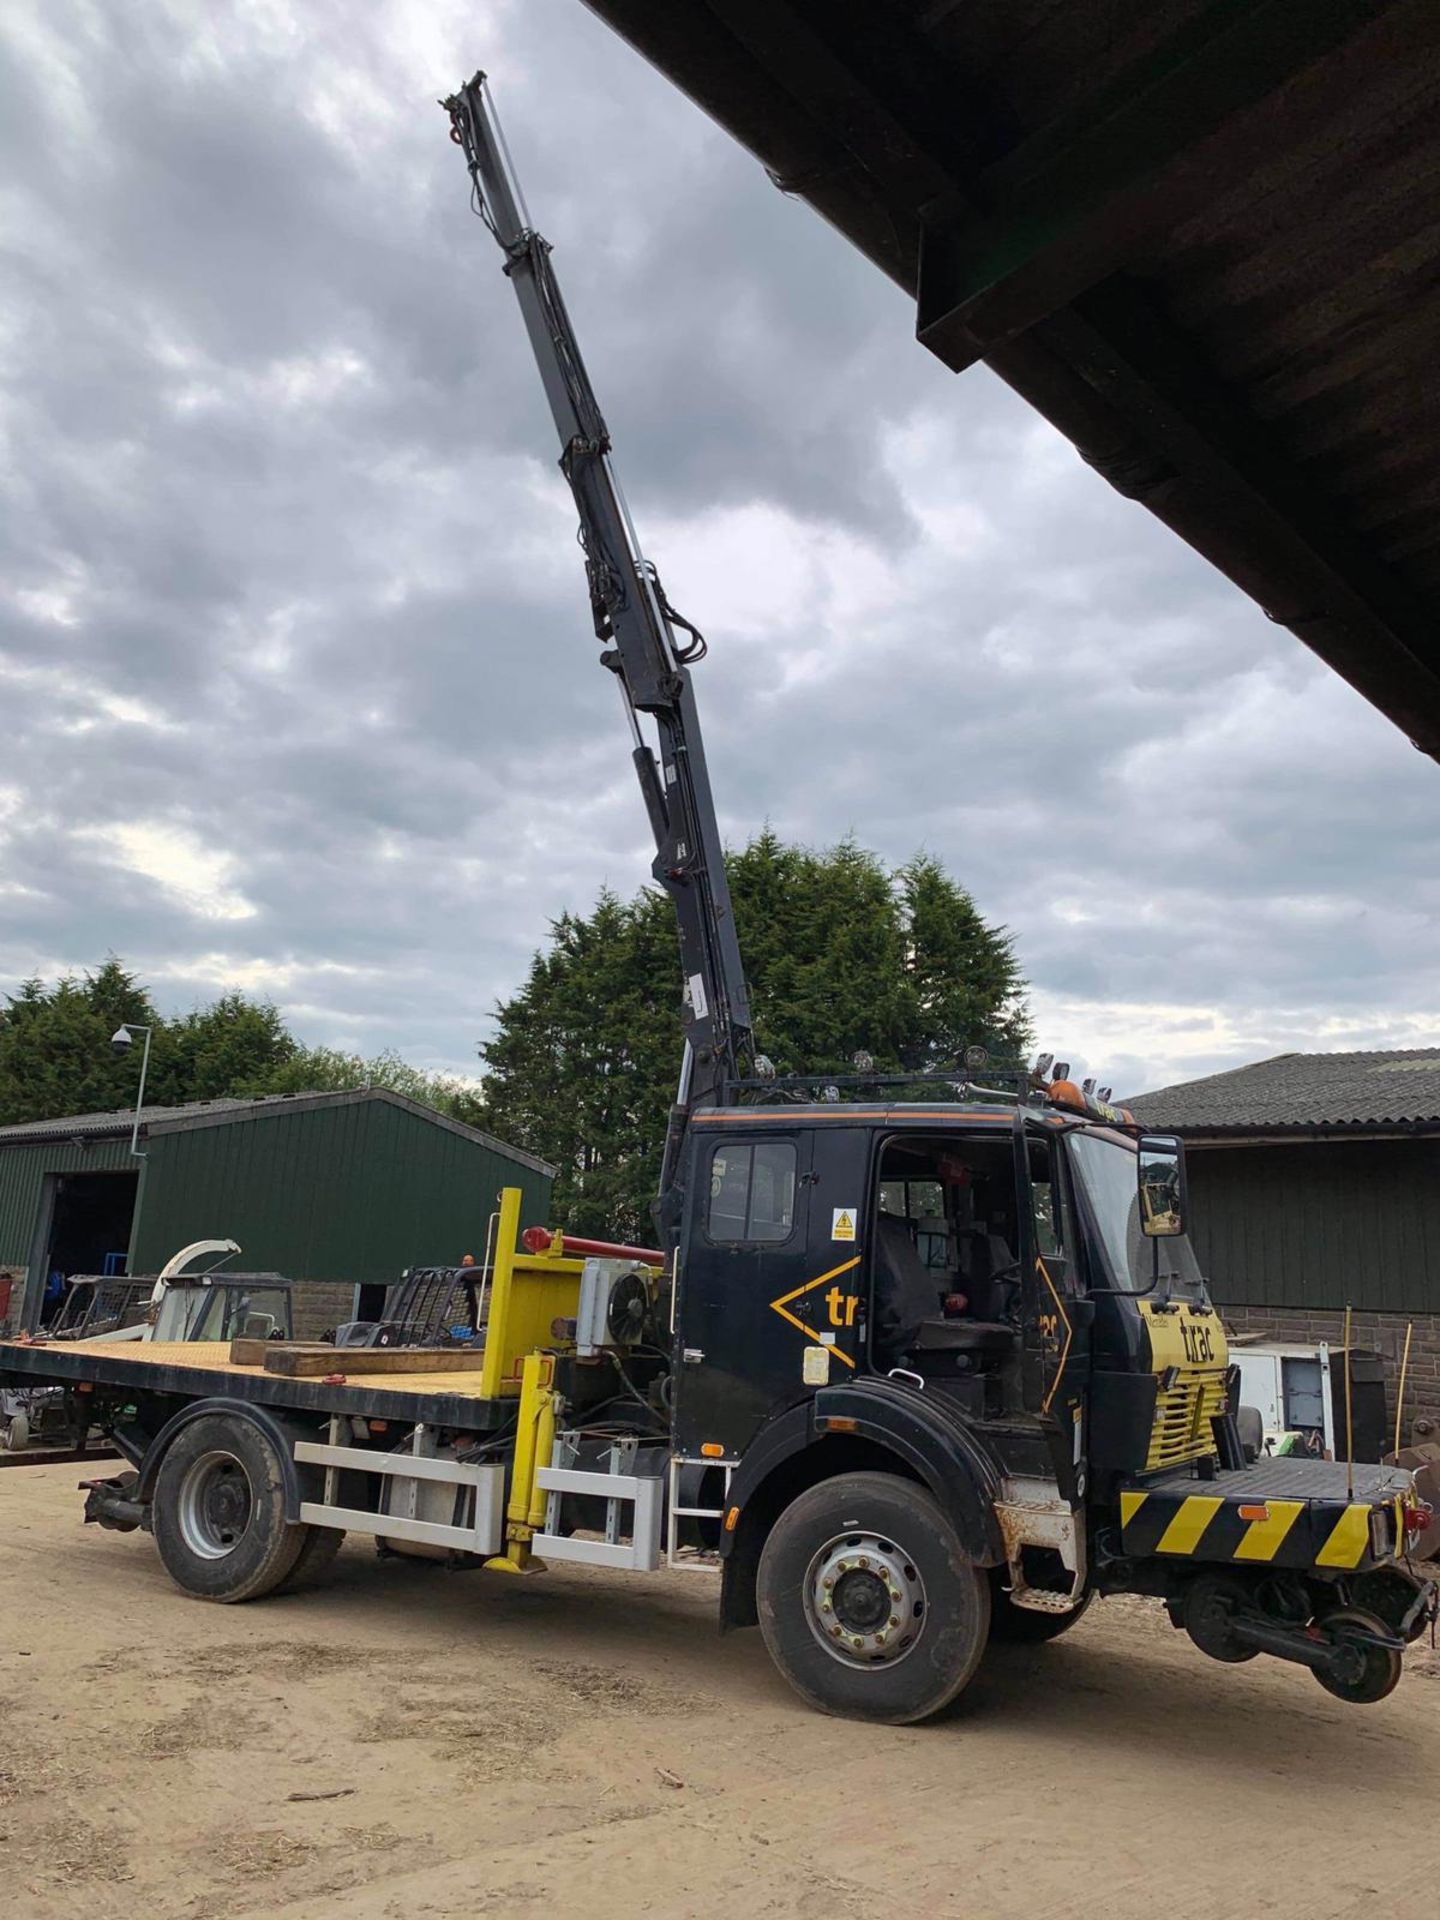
[465, 1279]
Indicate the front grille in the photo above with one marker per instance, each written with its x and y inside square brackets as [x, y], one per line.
[1182, 1429]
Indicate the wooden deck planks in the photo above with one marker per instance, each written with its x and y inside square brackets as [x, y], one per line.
[213, 1356]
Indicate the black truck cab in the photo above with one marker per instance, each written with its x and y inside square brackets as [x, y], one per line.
[997, 1300]
[987, 1255]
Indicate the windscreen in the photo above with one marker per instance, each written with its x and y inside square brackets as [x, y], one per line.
[1106, 1177]
[225, 1309]
[254, 1309]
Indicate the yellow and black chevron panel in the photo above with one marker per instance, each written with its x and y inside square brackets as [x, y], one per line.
[1281, 1533]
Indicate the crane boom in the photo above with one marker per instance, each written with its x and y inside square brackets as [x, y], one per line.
[640, 633]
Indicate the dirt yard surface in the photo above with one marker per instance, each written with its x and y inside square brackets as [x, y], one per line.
[584, 1744]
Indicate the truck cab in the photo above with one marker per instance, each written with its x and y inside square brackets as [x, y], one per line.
[996, 1298]
[990, 1256]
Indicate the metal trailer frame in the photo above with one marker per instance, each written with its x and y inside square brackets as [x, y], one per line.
[514, 1379]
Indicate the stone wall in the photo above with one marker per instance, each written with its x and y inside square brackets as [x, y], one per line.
[320, 1305]
[1382, 1333]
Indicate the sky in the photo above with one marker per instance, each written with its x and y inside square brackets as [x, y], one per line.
[295, 652]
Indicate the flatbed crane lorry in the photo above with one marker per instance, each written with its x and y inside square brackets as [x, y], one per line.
[914, 1373]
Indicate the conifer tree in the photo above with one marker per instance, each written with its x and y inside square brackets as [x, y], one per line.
[842, 955]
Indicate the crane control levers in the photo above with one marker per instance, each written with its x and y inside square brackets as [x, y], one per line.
[648, 646]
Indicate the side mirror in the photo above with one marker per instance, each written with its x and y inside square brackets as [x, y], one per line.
[1160, 1169]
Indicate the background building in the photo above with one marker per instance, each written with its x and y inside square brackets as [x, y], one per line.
[1315, 1183]
[334, 1190]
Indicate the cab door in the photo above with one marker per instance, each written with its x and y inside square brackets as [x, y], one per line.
[744, 1246]
[1057, 1314]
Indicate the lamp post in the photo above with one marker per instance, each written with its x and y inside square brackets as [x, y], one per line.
[121, 1041]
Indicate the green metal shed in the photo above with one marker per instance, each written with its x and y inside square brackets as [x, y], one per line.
[1315, 1178]
[335, 1190]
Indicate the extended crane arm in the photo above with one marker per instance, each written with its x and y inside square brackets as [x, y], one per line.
[639, 631]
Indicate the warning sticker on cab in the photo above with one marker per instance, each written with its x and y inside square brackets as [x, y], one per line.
[843, 1224]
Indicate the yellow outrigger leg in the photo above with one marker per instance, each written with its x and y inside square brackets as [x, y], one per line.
[534, 1445]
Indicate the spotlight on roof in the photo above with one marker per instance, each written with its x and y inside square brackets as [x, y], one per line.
[976, 1056]
[764, 1067]
[863, 1062]
[1087, 1087]
[1042, 1065]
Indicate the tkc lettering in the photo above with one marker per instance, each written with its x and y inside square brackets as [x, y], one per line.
[1199, 1346]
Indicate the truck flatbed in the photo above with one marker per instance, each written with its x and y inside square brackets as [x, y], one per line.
[204, 1369]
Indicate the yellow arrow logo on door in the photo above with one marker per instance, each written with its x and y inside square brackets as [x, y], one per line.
[782, 1307]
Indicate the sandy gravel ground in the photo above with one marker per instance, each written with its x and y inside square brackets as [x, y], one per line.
[584, 1744]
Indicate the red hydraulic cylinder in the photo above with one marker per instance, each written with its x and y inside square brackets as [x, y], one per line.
[542, 1240]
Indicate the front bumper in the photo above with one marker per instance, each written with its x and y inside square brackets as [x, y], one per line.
[1307, 1515]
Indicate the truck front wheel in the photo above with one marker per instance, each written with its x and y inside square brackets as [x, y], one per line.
[219, 1511]
[867, 1603]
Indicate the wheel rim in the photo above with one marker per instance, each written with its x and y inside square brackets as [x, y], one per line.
[214, 1505]
[864, 1600]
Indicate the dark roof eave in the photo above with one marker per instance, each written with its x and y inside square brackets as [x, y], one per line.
[1086, 341]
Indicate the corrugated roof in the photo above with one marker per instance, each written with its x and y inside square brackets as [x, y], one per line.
[1397, 1088]
[123, 1118]
[207, 1113]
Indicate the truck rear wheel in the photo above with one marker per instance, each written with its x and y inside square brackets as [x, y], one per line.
[867, 1603]
[219, 1511]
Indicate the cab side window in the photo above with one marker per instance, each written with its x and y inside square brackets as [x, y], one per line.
[1049, 1208]
[752, 1192]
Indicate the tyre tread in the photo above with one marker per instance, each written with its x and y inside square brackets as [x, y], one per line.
[313, 1562]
